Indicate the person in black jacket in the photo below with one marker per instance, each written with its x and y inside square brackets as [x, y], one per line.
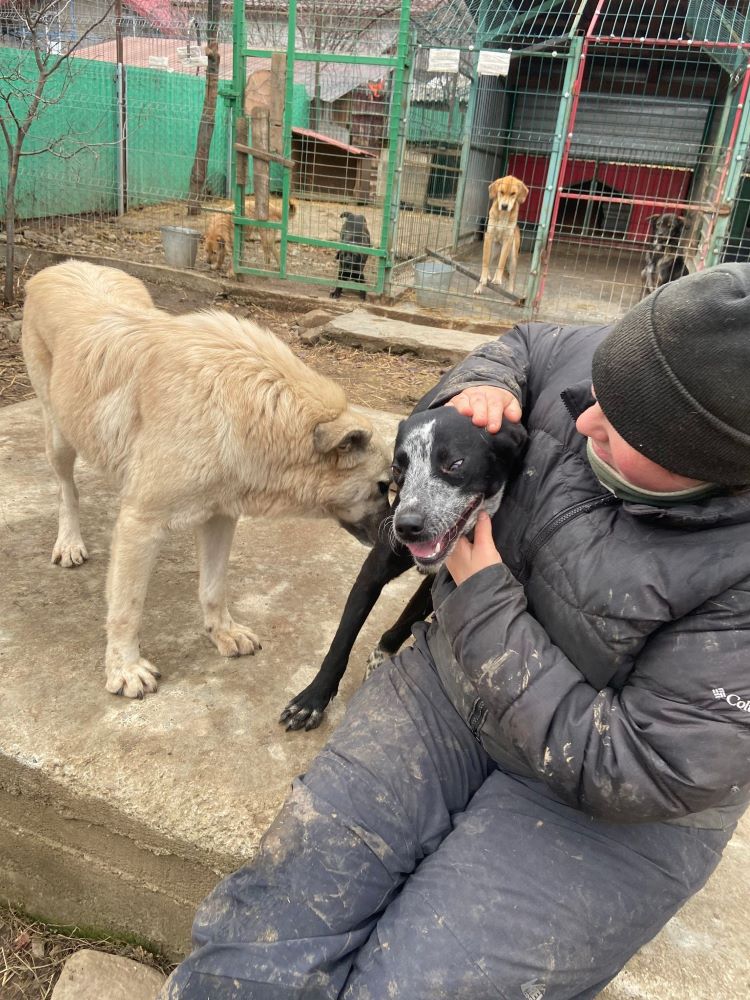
[518, 801]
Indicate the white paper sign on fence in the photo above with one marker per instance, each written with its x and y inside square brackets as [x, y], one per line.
[443, 60]
[492, 63]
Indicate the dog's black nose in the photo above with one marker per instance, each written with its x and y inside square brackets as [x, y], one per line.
[409, 526]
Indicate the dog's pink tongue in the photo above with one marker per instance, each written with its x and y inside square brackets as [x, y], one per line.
[423, 550]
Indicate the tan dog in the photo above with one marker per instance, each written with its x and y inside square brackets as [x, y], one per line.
[506, 194]
[197, 419]
[220, 234]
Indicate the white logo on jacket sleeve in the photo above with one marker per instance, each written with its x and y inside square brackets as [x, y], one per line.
[735, 700]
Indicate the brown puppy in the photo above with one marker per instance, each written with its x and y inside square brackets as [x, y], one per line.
[220, 234]
[198, 420]
[506, 194]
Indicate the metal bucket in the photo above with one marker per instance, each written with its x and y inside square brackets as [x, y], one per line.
[180, 245]
[432, 282]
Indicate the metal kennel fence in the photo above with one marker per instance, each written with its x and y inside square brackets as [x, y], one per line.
[477, 120]
[611, 113]
[108, 156]
[352, 62]
[402, 113]
[659, 124]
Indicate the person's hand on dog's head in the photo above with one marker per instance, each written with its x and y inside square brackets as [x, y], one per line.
[468, 558]
[487, 405]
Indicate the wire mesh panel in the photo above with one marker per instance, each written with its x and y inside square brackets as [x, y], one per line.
[382, 133]
[649, 158]
[333, 152]
[497, 111]
[113, 149]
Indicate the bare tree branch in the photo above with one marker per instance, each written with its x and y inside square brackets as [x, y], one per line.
[23, 89]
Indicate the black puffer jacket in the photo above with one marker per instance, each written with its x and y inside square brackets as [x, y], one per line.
[610, 654]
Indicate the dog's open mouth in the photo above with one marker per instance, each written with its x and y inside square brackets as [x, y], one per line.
[431, 552]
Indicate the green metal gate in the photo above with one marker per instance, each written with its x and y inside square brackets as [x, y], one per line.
[330, 146]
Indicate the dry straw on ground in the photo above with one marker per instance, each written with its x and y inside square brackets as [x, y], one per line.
[32, 955]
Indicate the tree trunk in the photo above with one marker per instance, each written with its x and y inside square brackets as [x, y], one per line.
[10, 230]
[208, 115]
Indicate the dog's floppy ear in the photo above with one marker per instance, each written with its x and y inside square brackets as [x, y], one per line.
[509, 443]
[341, 435]
[493, 188]
[523, 193]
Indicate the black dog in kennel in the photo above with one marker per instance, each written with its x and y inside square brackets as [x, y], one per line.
[351, 263]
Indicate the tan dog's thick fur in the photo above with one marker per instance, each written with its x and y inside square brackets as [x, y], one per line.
[220, 234]
[197, 419]
[506, 194]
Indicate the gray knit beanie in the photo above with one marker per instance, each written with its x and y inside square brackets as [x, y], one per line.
[673, 376]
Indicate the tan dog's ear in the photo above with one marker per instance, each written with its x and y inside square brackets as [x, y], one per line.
[339, 435]
[523, 193]
[493, 188]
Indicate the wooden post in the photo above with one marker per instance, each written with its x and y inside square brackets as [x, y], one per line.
[260, 120]
[278, 91]
[240, 132]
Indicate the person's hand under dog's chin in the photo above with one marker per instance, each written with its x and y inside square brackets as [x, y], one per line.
[468, 558]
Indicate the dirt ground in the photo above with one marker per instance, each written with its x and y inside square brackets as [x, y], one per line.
[382, 381]
[141, 228]
[32, 955]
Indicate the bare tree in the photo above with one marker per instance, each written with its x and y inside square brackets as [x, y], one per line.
[208, 115]
[23, 100]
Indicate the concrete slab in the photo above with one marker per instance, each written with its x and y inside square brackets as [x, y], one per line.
[122, 815]
[94, 975]
[378, 333]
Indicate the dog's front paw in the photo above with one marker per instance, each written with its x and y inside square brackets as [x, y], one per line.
[478, 290]
[69, 551]
[374, 660]
[236, 640]
[133, 680]
[307, 709]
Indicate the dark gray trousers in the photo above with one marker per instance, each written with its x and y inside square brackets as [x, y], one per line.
[406, 866]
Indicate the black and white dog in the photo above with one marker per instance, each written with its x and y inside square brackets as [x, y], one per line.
[663, 261]
[445, 470]
[351, 263]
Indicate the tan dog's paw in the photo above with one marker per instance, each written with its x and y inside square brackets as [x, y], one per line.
[478, 290]
[236, 640]
[133, 680]
[69, 552]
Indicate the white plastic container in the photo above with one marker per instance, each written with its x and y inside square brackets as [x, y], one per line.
[432, 282]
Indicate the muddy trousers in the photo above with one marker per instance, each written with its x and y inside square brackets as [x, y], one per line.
[406, 866]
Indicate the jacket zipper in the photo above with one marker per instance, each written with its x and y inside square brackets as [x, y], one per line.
[477, 718]
[554, 524]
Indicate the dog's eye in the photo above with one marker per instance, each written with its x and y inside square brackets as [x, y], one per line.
[395, 472]
[454, 466]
